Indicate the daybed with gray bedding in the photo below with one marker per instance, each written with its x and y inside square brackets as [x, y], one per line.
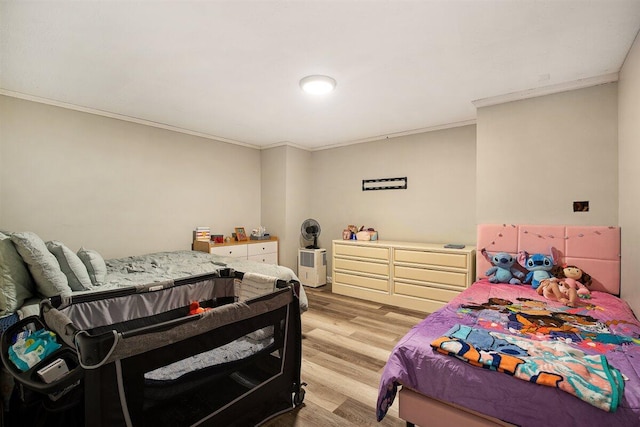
[31, 270]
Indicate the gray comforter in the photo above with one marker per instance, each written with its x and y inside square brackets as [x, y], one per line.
[162, 266]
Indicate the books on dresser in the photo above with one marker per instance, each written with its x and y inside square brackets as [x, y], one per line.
[202, 234]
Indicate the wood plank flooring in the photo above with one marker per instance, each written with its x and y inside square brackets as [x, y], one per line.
[345, 344]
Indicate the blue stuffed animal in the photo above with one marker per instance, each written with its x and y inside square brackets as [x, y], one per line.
[538, 265]
[503, 270]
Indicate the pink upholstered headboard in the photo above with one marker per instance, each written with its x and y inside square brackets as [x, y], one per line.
[595, 249]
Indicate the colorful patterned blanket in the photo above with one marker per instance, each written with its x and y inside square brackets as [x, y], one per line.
[602, 333]
[553, 363]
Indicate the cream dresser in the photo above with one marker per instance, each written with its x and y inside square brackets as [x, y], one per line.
[419, 276]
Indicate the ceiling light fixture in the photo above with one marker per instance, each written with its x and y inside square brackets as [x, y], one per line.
[317, 85]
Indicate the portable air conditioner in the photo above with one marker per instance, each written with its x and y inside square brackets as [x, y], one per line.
[312, 267]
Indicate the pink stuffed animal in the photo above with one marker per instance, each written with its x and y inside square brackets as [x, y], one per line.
[574, 278]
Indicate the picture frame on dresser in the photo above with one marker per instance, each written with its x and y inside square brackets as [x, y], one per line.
[241, 235]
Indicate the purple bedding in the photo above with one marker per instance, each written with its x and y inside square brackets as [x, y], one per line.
[602, 325]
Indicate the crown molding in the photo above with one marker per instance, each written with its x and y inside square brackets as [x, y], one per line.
[546, 90]
[479, 103]
[398, 134]
[121, 117]
[285, 144]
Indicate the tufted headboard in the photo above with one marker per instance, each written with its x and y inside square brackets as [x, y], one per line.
[595, 249]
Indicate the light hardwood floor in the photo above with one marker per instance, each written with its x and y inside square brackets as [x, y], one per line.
[345, 344]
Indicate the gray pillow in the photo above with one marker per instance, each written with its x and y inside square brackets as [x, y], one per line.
[44, 267]
[16, 284]
[95, 265]
[71, 265]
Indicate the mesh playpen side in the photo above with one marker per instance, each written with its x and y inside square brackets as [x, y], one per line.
[233, 364]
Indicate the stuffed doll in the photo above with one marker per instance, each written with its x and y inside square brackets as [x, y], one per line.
[574, 278]
[538, 265]
[503, 270]
[556, 290]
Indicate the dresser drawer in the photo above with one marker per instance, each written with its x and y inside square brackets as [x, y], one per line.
[421, 291]
[271, 258]
[361, 266]
[361, 281]
[361, 252]
[239, 251]
[435, 276]
[432, 258]
[262, 248]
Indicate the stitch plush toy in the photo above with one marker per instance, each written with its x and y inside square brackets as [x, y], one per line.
[503, 270]
[573, 277]
[538, 265]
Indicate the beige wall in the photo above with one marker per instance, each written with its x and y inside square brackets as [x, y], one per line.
[629, 159]
[273, 202]
[299, 196]
[115, 186]
[438, 205]
[124, 188]
[537, 156]
[286, 177]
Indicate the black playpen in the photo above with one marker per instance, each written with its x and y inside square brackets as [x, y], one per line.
[143, 357]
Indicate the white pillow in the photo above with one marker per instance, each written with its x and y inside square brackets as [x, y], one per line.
[71, 265]
[16, 284]
[95, 265]
[44, 267]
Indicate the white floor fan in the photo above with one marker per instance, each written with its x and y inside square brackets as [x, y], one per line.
[312, 260]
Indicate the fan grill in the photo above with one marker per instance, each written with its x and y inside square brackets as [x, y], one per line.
[310, 230]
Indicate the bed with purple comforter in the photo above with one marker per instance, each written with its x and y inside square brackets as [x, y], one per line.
[506, 352]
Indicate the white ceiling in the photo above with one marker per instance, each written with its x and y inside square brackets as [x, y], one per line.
[230, 69]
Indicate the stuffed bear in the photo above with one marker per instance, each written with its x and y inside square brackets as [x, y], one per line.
[503, 270]
[538, 265]
[574, 277]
